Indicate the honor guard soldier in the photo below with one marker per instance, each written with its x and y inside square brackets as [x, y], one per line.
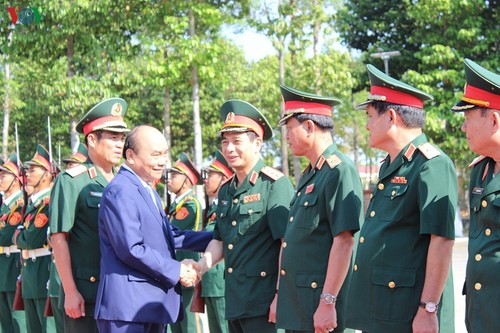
[481, 105]
[11, 216]
[212, 291]
[328, 205]
[186, 214]
[31, 238]
[251, 220]
[57, 309]
[403, 258]
[73, 216]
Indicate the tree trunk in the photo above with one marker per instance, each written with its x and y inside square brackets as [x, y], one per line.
[75, 139]
[6, 115]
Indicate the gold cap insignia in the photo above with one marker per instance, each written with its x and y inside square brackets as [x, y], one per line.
[230, 117]
[116, 110]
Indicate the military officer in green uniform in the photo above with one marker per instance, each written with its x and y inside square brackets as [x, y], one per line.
[324, 215]
[73, 215]
[186, 214]
[212, 291]
[11, 216]
[481, 105]
[404, 252]
[251, 220]
[31, 238]
[73, 161]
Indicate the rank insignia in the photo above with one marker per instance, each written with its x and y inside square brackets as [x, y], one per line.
[399, 180]
[29, 217]
[478, 190]
[41, 220]
[181, 214]
[309, 188]
[92, 173]
[4, 217]
[251, 198]
[15, 218]
[253, 177]
[212, 217]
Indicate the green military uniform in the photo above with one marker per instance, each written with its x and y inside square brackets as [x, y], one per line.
[415, 197]
[11, 216]
[482, 289]
[186, 214]
[57, 306]
[251, 222]
[75, 205]
[328, 201]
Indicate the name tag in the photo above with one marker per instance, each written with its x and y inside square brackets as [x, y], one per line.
[96, 194]
[477, 190]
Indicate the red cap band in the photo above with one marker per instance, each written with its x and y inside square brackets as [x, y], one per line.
[217, 165]
[309, 107]
[396, 97]
[187, 171]
[41, 161]
[103, 122]
[481, 97]
[245, 122]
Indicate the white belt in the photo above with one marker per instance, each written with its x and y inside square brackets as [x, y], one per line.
[7, 250]
[33, 254]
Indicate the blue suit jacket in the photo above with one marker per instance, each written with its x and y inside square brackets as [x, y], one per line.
[139, 272]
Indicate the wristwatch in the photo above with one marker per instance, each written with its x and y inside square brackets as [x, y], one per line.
[329, 299]
[430, 307]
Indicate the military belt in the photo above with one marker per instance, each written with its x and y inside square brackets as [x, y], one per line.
[7, 250]
[33, 254]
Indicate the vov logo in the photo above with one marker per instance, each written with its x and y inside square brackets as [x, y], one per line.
[26, 15]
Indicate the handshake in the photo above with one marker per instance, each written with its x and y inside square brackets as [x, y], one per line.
[191, 272]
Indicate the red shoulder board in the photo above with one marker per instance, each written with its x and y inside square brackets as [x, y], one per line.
[41, 220]
[15, 218]
[182, 214]
[428, 150]
[92, 172]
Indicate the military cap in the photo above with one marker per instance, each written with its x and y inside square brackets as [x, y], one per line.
[185, 166]
[482, 88]
[11, 166]
[107, 115]
[240, 116]
[387, 89]
[219, 164]
[299, 102]
[80, 156]
[41, 158]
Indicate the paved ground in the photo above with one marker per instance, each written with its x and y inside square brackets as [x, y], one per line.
[459, 263]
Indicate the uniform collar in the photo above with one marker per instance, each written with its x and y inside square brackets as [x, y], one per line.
[183, 195]
[251, 178]
[330, 150]
[35, 197]
[12, 197]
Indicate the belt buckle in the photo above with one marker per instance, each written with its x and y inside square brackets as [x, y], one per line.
[1, 250]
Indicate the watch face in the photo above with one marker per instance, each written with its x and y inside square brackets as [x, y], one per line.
[430, 307]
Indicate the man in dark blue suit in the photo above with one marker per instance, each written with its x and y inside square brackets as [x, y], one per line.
[139, 289]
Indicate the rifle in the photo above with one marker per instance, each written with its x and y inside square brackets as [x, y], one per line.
[53, 166]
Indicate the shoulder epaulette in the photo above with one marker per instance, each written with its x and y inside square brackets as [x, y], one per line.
[76, 171]
[227, 181]
[333, 161]
[477, 160]
[428, 150]
[271, 173]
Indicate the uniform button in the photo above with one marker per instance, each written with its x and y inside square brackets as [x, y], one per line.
[487, 232]
[235, 200]
[371, 196]
[263, 274]
[233, 223]
[230, 246]
[283, 272]
[98, 205]
[391, 285]
[291, 218]
[393, 193]
[306, 203]
[283, 245]
[478, 257]
[477, 286]
[298, 194]
[92, 279]
[380, 186]
[372, 213]
[355, 267]
[361, 239]
[230, 270]
[484, 203]
[250, 211]
[314, 285]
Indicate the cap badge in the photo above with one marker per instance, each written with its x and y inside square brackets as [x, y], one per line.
[116, 110]
[230, 117]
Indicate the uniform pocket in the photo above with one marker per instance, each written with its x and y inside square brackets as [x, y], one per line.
[309, 286]
[309, 211]
[250, 213]
[395, 203]
[392, 294]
